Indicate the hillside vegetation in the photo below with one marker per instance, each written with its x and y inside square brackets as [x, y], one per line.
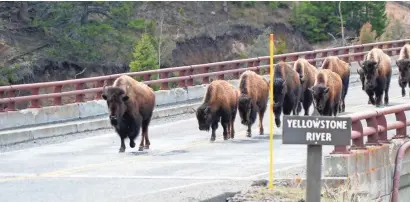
[46, 41]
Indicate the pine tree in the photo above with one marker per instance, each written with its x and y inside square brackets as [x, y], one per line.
[144, 55]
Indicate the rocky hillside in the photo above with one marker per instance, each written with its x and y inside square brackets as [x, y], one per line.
[195, 33]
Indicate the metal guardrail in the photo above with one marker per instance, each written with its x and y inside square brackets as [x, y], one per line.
[376, 129]
[186, 75]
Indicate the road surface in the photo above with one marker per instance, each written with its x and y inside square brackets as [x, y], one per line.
[182, 165]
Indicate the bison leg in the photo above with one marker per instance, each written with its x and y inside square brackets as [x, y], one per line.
[214, 127]
[308, 100]
[370, 94]
[260, 123]
[387, 88]
[144, 127]
[277, 114]
[233, 114]
[123, 146]
[225, 120]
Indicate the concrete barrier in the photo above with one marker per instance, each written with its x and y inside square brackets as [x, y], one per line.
[370, 172]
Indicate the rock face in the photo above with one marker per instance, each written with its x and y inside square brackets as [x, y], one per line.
[199, 32]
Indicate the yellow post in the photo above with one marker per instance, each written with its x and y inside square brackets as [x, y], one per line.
[271, 107]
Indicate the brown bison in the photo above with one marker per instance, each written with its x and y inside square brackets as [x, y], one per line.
[327, 92]
[307, 74]
[287, 90]
[342, 68]
[220, 101]
[253, 98]
[403, 64]
[376, 74]
[130, 105]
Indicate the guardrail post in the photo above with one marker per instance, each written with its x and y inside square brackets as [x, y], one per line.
[98, 94]
[237, 74]
[182, 83]
[80, 97]
[221, 76]
[357, 143]
[313, 56]
[346, 51]
[401, 132]
[35, 103]
[372, 140]
[359, 50]
[11, 105]
[382, 129]
[256, 64]
[206, 79]
[164, 85]
[57, 100]
[190, 81]
[388, 47]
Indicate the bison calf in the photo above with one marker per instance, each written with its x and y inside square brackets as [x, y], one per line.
[307, 73]
[327, 92]
[403, 64]
[254, 97]
[130, 105]
[220, 101]
[287, 91]
[341, 68]
[376, 74]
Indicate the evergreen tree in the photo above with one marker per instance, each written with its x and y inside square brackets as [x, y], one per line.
[144, 55]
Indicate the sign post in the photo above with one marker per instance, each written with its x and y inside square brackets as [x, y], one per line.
[271, 96]
[315, 131]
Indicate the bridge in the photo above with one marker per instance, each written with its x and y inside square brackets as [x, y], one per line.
[58, 145]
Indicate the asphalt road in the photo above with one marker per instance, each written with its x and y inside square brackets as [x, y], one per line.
[182, 165]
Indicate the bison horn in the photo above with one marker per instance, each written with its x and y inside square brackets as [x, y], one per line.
[195, 111]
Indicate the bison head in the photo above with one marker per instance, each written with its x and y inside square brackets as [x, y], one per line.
[404, 69]
[204, 117]
[247, 110]
[280, 89]
[369, 70]
[116, 101]
[320, 95]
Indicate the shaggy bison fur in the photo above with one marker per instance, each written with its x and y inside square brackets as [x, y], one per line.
[253, 98]
[376, 74]
[220, 101]
[403, 64]
[342, 68]
[130, 105]
[287, 91]
[307, 74]
[327, 92]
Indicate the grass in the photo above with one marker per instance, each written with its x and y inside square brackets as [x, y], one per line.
[288, 194]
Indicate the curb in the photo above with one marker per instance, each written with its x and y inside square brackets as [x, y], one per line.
[10, 137]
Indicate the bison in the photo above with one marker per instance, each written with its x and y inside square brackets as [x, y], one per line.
[287, 90]
[403, 64]
[130, 105]
[220, 101]
[253, 98]
[307, 73]
[342, 68]
[376, 74]
[327, 92]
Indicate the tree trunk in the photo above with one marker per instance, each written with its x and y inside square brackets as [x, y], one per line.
[342, 24]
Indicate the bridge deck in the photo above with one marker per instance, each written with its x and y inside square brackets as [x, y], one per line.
[180, 166]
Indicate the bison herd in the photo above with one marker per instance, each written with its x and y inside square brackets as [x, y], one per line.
[131, 103]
